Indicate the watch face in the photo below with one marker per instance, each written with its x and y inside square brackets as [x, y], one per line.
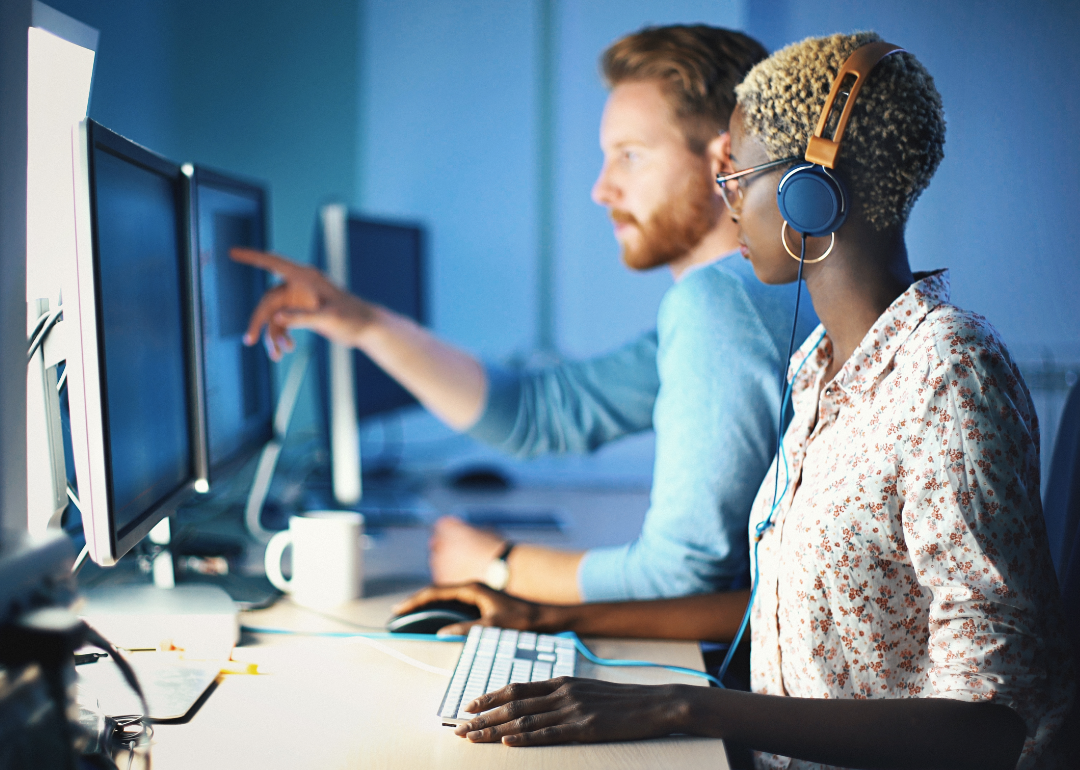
[497, 574]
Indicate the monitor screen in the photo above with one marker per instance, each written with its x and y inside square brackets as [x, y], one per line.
[143, 349]
[385, 267]
[237, 378]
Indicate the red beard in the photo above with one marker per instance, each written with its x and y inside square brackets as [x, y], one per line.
[675, 229]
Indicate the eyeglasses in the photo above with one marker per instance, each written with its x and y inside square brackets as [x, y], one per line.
[732, 191]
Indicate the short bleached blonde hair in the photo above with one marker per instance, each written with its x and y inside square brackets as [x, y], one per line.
[896, 135]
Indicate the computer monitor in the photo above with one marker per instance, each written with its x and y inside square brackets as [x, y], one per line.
[132, 364]
[383, 262]
[238, 394]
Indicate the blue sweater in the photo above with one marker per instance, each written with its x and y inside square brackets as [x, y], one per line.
[707, 380]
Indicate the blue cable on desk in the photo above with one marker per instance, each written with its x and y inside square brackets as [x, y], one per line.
[592, 658]
[578, 644]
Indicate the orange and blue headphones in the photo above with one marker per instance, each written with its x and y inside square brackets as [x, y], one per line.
[812, 198]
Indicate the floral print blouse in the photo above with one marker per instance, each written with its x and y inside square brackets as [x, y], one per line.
[908, 556]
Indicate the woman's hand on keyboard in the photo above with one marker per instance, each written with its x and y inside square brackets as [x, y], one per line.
[569, 710]
[496, 608]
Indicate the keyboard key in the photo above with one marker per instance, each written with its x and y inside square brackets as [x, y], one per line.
[545, 643]
[507, 647]
[527, 641]
[541, 671]
[522, 671]
[501, 669]
[450, 706]
[499, 679]
[487, 648]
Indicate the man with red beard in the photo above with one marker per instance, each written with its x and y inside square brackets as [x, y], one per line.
[706, 380]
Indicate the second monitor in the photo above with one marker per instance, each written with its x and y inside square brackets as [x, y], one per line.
[383, 262]
[225, 212]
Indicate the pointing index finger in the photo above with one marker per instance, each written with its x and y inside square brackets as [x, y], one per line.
[272, 262]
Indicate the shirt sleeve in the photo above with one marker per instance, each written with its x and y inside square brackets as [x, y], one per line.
[715, 422]
[572, 407]
[973, 527]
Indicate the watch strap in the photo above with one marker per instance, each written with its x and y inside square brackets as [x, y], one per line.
[504, 554]
[497, 575]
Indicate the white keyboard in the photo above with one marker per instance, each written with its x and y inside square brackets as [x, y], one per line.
[494, 657]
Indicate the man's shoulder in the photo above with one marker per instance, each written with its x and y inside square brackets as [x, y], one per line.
[719, 286]
[727, 291]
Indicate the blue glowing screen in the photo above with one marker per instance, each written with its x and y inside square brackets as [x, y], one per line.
[237, 377]
[142, 336]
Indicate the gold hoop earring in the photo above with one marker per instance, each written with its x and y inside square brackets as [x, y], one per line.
[783, 239]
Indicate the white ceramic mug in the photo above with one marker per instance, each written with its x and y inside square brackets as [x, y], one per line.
[327, 558]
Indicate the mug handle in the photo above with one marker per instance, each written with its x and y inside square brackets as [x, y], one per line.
[272, 560]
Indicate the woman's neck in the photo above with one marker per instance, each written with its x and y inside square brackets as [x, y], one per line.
[856, 284]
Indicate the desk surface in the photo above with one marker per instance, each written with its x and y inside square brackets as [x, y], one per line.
[340, 703]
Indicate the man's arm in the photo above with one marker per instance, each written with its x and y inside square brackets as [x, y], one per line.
[571, 407]
[574, 406]
[449, 382]
[462, 554]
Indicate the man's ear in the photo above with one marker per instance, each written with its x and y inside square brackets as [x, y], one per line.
[718, 152]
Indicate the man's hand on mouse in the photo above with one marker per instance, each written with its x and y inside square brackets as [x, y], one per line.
[305, 299]
[496, 608]
[460, 553]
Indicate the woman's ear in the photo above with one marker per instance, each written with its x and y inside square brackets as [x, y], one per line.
[719, 153]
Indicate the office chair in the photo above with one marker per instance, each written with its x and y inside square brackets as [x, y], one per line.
[1061, 503]
[1062, 511]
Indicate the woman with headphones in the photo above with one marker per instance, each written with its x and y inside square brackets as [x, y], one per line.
[904, 610]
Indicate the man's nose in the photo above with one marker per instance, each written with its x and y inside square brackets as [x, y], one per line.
[604, 192]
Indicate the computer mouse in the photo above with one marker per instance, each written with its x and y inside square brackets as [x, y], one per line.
[480, 477]
[429, 618]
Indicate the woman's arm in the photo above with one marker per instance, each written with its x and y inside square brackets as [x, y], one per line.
[894, 733]
[713, 617]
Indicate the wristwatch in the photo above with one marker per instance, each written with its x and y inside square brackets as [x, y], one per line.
[498, 572]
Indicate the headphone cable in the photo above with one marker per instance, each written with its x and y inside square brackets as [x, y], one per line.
[764, 526]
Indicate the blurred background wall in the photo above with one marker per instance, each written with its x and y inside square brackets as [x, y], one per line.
[480, 119]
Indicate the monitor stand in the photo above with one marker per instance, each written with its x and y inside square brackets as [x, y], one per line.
[200, 556]
[268, 458]
[199, 619]
[162, 568]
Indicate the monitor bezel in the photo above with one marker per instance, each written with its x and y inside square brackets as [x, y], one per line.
[194, 177]
[340, 411]
[320, 261]
[86, 365]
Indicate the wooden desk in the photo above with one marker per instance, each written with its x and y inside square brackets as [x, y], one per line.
[336, 704]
